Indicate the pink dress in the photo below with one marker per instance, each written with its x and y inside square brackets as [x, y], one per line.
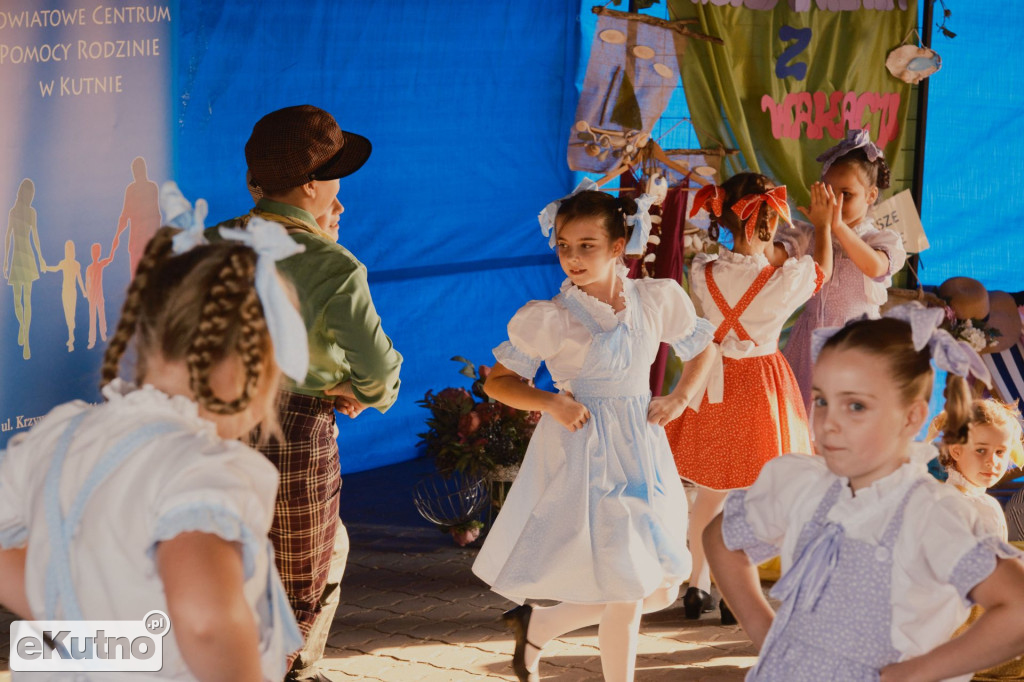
[848, 295]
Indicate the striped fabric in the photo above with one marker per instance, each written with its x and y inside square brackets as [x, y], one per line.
[1007, 368]
[306, 512]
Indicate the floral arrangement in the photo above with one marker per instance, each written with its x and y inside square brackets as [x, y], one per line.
[976, 333]
[469, 433]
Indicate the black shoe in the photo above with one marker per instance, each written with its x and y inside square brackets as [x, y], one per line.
[695, 602]
[518, 621]
[727, 616]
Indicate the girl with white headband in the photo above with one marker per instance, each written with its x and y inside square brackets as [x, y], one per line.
[880, 561]
[596, 518]
[146, 502]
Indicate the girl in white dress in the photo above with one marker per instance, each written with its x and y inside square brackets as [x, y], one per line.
[146, 501]
[880, 562]
[596, 518]
[976, 459]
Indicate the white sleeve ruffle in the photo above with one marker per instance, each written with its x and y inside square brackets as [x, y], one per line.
[536, 332]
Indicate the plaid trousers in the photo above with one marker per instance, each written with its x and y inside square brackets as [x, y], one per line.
[306, 512]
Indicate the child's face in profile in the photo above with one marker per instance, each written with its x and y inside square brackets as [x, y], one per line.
[847, 180]
[862, 424]
[984, 458]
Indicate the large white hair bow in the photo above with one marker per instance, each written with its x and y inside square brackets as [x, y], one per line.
[271, 243]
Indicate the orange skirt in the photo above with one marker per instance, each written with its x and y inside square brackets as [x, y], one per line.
[723, 446]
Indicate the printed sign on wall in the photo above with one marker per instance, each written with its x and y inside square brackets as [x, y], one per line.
[84, 141]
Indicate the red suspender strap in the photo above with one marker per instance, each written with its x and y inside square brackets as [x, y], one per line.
[732, 315]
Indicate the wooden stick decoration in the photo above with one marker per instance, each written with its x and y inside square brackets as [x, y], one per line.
[679, 26]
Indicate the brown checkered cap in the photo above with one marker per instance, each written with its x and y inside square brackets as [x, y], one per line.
[291, 146]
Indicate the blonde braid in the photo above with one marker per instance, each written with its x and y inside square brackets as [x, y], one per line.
[157, 250]
[233, 294]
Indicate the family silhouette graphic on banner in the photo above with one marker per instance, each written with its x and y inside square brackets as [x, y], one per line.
[24, 261]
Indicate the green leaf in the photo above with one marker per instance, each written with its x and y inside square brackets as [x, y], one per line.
[469, 369]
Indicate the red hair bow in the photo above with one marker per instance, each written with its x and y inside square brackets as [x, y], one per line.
[711, 197]
[749, 207]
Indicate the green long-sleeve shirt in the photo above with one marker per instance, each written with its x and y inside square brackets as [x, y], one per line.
[346, 341]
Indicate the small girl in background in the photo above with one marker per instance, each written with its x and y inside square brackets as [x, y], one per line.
[146, 501]
[596, 517]
[865, 256]
[979, 454]
[880, 561]
[976, 458]
[751, 411]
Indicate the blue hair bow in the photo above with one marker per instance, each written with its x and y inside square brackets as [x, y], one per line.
[178, 212]
[271, 243]
[855, 139]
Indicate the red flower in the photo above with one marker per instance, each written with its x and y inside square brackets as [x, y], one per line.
[468, 424]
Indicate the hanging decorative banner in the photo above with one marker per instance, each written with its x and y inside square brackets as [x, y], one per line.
[84, 140]
[793, 77]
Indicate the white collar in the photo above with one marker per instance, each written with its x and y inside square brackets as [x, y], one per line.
[602, 312]
[120, 392]
[895, 483]
[962, 484]
[758, 259]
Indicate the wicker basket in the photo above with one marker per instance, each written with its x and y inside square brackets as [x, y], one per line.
[899, 296]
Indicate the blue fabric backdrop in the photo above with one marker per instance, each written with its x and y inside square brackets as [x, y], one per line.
[972, 202]
[467, 105]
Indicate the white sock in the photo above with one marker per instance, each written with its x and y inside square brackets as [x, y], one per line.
[617, 637]
[706, 506]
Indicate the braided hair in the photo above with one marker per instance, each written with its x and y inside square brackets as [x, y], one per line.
[200, 308]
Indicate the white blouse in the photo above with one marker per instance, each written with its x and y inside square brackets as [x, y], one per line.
[547, 331]
[940, 554]
[990, 512]
[799, 241]
[186, 479]
[788, 288]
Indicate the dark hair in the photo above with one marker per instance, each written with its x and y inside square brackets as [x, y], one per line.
[891, 341]
[876, 172]
[199, 307]
[593, 204]
[737, 187]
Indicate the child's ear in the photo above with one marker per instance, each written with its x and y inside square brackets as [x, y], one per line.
[955, 451]
[872, 196]
[619, 247]
[916, 417]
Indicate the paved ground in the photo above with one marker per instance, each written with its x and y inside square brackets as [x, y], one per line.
[412, 610]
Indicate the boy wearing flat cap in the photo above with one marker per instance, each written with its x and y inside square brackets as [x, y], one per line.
[296, 156]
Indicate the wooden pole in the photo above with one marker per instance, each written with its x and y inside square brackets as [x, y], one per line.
[679, 26]
[917, 183]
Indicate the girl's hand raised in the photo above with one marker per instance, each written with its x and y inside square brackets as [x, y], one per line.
[665, 408]
[567, 412]
[826, 209]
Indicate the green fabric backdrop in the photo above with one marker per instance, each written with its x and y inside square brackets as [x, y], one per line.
[821, 72]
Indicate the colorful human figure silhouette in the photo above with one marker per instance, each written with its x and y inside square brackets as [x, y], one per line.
[140, 213]
[94, 291]
[72, 271]
[20, 259]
